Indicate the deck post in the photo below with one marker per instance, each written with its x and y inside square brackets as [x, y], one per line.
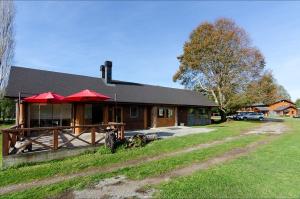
[55, 139]
[5, 143]
[93, 136]
[121, 130]
[13, 140]
[22, 115]
[79, 117]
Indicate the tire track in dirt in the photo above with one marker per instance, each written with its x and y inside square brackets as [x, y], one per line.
[120, 187]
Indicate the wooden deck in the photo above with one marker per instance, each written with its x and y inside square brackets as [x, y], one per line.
[30, 140]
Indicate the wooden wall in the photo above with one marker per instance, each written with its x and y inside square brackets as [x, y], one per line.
[133, 123]
[182, 115]
[292, 111]
[21, 114]
[278, 104]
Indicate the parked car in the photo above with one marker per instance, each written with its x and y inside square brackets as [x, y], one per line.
[254, 116]
[240, 115]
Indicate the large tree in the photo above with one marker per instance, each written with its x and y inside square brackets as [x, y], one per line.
[264, 90]
[7, 13]
[297, 103]
[218, 59]
[282, 93]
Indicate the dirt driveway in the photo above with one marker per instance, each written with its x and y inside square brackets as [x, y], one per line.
[120, 187]
[166, 132]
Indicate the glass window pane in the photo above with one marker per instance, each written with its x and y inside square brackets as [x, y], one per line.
[161, 112]
[88, 113]
[34, 115]
[46, 115]
[170, 113]
[133, 112]
[66, 114]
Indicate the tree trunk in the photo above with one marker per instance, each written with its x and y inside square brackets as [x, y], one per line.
[223, 116]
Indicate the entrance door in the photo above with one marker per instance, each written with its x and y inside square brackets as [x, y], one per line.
[118, 114]
[115, 114]
[97, 113]
[93, 113]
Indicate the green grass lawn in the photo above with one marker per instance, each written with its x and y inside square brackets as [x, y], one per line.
[138, 172]
[272, 171]
[103, 157]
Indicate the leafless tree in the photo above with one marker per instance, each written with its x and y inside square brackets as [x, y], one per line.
[7, 14]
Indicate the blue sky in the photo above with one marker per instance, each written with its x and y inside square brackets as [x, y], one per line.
[143, 39]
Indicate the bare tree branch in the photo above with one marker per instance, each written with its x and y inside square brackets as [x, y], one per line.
[7, 13]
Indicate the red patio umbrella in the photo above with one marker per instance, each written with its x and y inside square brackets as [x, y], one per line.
[86, 96]
[48, 97]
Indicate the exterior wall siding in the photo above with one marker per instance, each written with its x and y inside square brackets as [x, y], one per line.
[147, 116]
[136, 122]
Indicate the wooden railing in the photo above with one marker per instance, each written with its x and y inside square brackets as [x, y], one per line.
[18, 139]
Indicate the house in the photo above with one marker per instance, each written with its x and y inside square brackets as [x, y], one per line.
[280, 108]
[258, 107]
[140, 106]
[283, 108]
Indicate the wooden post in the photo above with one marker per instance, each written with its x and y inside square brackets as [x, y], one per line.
[22, 115]
[17, 114]
[5, 143]
[55, 139]
[13, 140]
[93, 136]
[145, 117]
[122, 132]
[105, 114]
[79, 117]
[154, 116]
[176, 116]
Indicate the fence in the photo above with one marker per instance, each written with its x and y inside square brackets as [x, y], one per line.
[18, 139]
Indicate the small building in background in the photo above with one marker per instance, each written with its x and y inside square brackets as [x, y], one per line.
[280, 108]
[283, 108]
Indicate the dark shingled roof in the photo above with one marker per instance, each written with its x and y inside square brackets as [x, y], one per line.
[33, 81]
[260, 108]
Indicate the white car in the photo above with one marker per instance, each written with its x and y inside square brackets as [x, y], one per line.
[254, 116]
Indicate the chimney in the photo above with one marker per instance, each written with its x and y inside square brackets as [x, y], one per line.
[106, 70]
[102, 69]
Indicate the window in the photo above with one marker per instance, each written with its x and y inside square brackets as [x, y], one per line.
[161, 112]
[202, 111]
[169, 113]
[164, 112]
[134, 112]
[45, 115]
